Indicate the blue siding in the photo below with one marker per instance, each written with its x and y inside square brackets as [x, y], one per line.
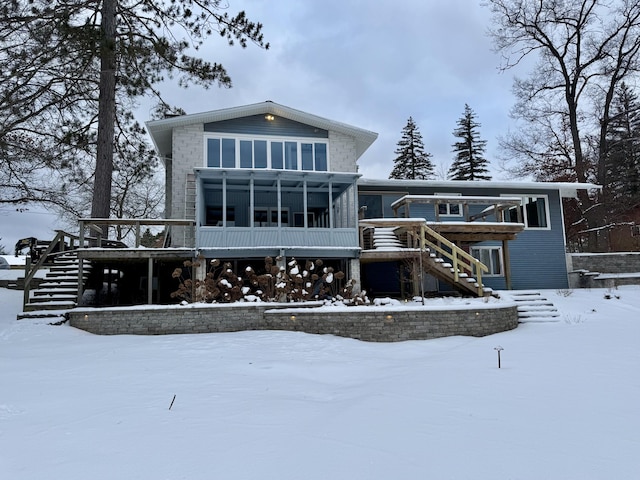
[258, 125]
[537, 256]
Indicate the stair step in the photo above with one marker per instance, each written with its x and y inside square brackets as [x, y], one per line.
[52, 298]
[54, 291]
[536, 308]
[538, 319]
[31, 307]
[538, 313]
[52, 314]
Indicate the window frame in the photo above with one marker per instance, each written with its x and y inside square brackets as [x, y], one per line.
[448, 205]
[319, 156]
[525, 216]
[491, 266]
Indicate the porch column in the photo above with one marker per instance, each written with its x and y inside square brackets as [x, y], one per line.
[506, 260]
[331, 224]
[304, 202]
[354, 274]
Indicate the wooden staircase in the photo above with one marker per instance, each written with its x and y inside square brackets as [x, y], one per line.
[427, 248]
[58, 291]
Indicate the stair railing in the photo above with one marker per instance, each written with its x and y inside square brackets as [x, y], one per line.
[30, 269]
[459, 259]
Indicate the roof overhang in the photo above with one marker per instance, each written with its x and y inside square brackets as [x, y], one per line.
[161, 130]
[566, 189]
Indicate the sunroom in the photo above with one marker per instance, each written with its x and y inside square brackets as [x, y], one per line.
[262, 212]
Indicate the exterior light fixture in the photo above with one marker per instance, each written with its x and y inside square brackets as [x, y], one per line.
[270, 118]
[292, 318]
[498, 349]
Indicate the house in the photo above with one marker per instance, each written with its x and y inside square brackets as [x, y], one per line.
[515, 229]
[266, 180]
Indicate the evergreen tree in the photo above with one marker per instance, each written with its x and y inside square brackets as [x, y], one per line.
[623, 147]
[412, 162]
[73, 70]
[469, 163]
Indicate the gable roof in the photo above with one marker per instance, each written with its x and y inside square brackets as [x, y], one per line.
[161, 130]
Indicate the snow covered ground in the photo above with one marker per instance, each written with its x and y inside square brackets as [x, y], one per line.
[284, 405]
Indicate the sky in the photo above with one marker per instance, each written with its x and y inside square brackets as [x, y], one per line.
[370, 64]
[290, 406]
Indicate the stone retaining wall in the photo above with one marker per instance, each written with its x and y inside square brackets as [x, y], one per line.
[376, 324]
[603, 270]
[606, 262]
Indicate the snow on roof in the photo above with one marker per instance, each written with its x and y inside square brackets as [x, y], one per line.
[566, 189]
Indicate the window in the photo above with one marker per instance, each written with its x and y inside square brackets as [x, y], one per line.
[214, 216]
[533, 212]
[450, 209]
[246, 152]
[268, 217]
[491, 257]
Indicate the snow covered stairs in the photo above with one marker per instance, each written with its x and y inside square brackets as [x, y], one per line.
[533, 307]
[59, 289]
[384, 238]
[445, 271]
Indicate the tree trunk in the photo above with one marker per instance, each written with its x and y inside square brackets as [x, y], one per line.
[106, 113]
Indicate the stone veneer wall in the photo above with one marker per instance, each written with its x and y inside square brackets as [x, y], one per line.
[606, 262]
[375, 324]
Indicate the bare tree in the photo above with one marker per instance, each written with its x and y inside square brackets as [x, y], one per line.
[584, 50]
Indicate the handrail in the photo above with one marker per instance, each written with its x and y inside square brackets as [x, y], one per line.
[31, 269]
[93, 223]
[457, 256]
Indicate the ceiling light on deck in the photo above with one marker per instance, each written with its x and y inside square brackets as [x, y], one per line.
[270, 118]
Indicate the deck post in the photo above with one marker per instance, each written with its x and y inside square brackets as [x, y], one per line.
[150, 281]
[506, 259]
[80, 263]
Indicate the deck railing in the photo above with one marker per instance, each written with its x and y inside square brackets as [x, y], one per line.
[64, 242]
[459, 259]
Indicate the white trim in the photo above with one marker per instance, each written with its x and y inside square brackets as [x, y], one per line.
[161, 130]
[448, 205]
[566, 190]
[491, 266]
[237, 137]
[525, 219]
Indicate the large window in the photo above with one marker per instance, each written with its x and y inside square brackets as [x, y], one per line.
[491, 257]
[533, 212]
[285, 154]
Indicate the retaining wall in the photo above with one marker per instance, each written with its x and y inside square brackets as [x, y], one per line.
[603, 270]
[606, 262]
[376, 324]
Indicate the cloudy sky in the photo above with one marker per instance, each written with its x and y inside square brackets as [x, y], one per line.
[371, 64]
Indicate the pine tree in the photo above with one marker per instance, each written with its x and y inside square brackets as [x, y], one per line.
[623, 147]
[469, 163]
[74, 67]
[412, 162]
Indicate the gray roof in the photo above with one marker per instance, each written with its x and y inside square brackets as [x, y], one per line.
[161, 130]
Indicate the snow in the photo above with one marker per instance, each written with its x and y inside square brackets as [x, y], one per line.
[289, 405]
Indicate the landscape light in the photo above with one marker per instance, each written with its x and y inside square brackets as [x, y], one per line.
[498, 349]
